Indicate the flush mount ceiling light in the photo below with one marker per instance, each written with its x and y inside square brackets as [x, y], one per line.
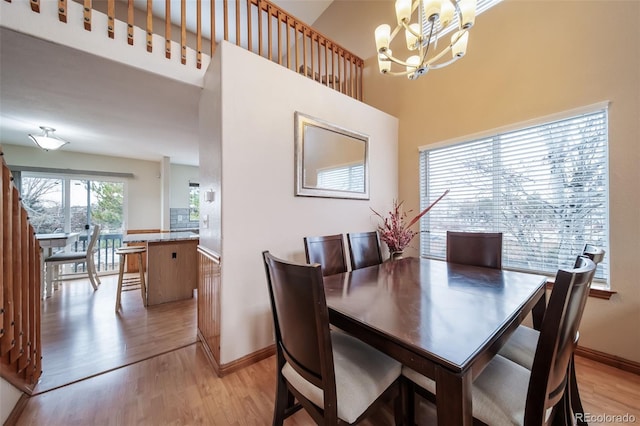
[47, 140]
[434, 18]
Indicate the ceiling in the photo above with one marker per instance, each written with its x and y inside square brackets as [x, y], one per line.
[100, 106]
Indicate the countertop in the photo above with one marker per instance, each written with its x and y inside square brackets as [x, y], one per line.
[160, 237]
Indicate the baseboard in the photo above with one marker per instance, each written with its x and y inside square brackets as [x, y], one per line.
[207, 352]
[17, 410]
[607, 359]
[247, 360]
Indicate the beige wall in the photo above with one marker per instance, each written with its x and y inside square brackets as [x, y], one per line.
[529, 59]
[254, 147]
[142, 205]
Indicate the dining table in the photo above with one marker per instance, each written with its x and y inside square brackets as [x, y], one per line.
[443, 320]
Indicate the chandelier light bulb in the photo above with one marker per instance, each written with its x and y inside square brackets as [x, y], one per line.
[403, 11]
[459, 41]
[383, 37]
[412, 38]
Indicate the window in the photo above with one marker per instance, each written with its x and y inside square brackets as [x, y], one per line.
[544, 186]
[344, 178]
[194, 202]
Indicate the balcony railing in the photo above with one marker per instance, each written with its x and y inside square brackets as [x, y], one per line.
[257, 25]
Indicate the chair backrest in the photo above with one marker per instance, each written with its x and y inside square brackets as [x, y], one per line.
[94, 238]
[364, 249]
[301, 320]
[328, 251]
[557, 341]
[475, 248]
[594, 253]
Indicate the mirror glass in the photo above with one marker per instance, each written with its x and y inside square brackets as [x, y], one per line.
[330, 161]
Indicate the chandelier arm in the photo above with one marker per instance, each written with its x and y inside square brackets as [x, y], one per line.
[444, 64]
[395, 61]
[444, 52]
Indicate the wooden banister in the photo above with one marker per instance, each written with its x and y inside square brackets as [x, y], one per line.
[20, 269]
[322, 60]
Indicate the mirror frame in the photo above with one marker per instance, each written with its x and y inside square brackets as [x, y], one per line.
[304, 120]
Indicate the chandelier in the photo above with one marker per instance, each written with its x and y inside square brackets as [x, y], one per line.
[434, 18]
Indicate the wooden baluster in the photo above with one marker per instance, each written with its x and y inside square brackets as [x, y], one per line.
[352, 72]
[333, 66]
[199, 34]
[36, 294]
[62, 10]
[319, 60]
[86, 14]
[249, 41]
[111, 13]
[16, 346]
[130, 22]
[35, 5]
[269, 31]
[279, 37]
[295, 42]
[326, 62]
[304, 51]
[259, 28]
[167, 29]
[237, 22]
[311, 56]
[225, 11]
[213, 27]
[6, 341]
[288, 43]
[343, 82]
[361, 91]
[183, 31]
[149, 25]
[23, 360]
[347, 77]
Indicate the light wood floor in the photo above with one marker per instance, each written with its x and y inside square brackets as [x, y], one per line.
[180, 388]
[82, 335]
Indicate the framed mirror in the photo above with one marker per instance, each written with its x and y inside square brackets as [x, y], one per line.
[331, 161]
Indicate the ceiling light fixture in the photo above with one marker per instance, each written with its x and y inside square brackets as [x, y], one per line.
[47, 140]
[434, 19]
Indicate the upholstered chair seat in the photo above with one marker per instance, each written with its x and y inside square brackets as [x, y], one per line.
[362, 375]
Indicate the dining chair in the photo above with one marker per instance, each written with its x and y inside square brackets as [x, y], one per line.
[506, 393]
[53, 262]
[521, 346]
[328, 251]
[334, 376]
[364, 249]
[475, 248]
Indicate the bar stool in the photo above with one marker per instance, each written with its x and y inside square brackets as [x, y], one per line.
[133, 283]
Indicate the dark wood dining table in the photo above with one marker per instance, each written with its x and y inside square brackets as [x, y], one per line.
[444, 320]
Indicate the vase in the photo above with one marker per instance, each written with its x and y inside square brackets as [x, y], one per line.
[395, 255]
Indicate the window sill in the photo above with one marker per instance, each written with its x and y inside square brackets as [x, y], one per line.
[598, 293]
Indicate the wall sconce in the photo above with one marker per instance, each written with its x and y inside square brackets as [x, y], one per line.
[209, 195]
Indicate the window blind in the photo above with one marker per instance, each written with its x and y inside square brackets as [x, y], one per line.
[344, 178]
[545, 187]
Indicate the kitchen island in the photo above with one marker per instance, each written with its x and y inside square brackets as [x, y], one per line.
[172, 264]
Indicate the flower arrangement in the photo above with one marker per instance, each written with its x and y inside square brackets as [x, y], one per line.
[393, 230]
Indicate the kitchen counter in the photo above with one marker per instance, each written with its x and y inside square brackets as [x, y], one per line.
[159, 237]
[172, 264]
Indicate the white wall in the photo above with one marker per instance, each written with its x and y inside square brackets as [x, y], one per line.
[181, 176]
[257, 101]
[142, 191]
[10, 397]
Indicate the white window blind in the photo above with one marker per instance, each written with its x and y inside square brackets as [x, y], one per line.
[344, 178]
[545, 187]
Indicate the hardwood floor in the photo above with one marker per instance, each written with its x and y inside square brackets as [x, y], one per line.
[83, 336]
[179, 387]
